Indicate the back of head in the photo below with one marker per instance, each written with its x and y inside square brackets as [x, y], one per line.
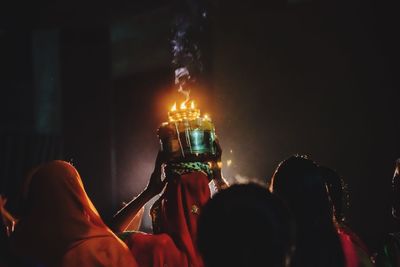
[299, 182]
[55, 190]
[245, 225]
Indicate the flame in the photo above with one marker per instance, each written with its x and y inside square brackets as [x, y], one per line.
[184, 111]
[183, 105]
[206, 117]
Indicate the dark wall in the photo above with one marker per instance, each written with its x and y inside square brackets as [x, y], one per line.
[16, 80]
[29, 131]
[87, 97]
[316, 79]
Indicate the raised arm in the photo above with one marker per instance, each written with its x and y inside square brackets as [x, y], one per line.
[8, 220]
[126, 215]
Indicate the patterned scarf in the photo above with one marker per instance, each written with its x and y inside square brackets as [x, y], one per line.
[181, 168]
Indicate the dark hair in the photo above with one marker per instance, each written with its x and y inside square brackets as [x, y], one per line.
[299, 182]
[337, 192]
[245, 225]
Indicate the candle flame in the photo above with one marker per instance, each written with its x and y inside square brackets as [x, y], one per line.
[184, 111]
[183, 105]
[173, 107]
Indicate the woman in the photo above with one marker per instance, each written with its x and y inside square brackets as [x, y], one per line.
[174, 214]
[59, 226]
[298, 181]
[339, 198]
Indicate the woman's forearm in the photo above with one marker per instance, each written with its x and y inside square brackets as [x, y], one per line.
[124, 216]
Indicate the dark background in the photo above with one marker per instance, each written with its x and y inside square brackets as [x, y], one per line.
[90, 82]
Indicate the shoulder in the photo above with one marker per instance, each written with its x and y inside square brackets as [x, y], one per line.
[99, 251]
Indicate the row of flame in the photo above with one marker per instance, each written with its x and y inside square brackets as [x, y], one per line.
[183, 106]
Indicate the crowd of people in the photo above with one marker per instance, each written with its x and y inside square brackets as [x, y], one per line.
[295, 221]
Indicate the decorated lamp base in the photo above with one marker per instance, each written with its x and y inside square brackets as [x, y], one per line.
[187, 136]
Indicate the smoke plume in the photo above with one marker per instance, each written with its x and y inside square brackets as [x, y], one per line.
[188, 29]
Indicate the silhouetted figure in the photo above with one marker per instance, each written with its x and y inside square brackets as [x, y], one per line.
[245, 226]
[340, 200]
[174, 215]
[298, 181]
[389, 256]
[59, 225]
[337, 192]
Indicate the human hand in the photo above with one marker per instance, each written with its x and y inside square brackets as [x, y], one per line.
[156, 183]
[8, 220]
[216, 163]
[218, 148]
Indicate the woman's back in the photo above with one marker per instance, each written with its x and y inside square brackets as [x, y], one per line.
[298, 182]
[59, 225]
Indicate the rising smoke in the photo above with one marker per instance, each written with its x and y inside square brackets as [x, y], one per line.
[187, 34]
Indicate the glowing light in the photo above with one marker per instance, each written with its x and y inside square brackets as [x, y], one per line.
[184, 111]
[229, 162]
[231, 151]
[183, 105]
[206, 117]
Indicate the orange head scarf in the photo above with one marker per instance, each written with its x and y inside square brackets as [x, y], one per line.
[60, 226]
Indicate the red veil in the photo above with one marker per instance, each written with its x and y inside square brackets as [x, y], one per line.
[178, 211]
[61, 227]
